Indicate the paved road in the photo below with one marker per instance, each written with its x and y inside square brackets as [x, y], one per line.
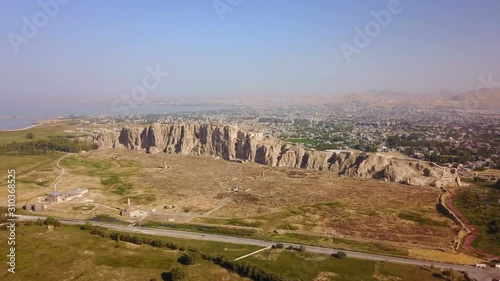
[481, 274]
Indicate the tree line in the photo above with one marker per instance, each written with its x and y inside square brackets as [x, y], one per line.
[43, 146]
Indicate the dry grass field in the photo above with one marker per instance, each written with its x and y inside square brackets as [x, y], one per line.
[69, 253]
[279, 203]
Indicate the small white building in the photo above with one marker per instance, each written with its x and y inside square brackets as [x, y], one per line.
[59, 196]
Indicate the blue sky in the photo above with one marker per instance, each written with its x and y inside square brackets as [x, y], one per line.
[100, 49]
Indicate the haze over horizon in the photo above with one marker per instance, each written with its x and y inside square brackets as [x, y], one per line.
[98, 50]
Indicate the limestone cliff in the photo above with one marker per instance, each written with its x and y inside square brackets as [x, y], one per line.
[231, 143]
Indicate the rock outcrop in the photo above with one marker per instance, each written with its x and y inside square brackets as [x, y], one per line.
[231, 143]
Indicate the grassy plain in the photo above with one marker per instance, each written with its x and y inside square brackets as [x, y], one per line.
[480, 204]
[69, 253]
[54, 128]
[319, 267]
[34, 174]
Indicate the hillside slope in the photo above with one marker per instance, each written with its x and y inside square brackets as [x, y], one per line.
[231, 143]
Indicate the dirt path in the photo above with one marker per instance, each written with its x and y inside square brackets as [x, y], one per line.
[60, 168]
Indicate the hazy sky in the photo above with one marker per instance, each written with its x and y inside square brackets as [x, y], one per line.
[100, 49]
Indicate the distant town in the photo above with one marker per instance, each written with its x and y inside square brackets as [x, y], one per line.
[442, 135]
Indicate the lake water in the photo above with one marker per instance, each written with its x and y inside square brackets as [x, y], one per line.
[27, 114]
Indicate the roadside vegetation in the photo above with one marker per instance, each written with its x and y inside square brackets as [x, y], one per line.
[339, 267]
[82, 249]
[480, 205]
[202, 228]
[235, 222]
[284, 237]
[338, 243]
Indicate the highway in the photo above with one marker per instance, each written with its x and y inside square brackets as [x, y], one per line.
[481, 274]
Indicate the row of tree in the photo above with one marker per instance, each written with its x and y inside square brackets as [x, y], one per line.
[43, 146]
[246, 269]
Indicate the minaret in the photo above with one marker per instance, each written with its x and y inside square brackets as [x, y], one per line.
[165, 165]
[128, 202]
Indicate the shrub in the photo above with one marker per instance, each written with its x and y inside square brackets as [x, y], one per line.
[287, 226]
[52, 221]
[340, 255]
[189, 258]
[302, 248]
[279, 246]
[86, 226]
[177, 274]
[493, 227]
[245, 269]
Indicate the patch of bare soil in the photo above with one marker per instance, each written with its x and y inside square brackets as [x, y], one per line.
[324, 276]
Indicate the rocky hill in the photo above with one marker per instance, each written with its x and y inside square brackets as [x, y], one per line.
[231, 143]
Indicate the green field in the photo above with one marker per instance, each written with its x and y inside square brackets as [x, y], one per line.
[306, 266]
[27, 163]
[40, 132]
[113, 173]
[480, 205]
